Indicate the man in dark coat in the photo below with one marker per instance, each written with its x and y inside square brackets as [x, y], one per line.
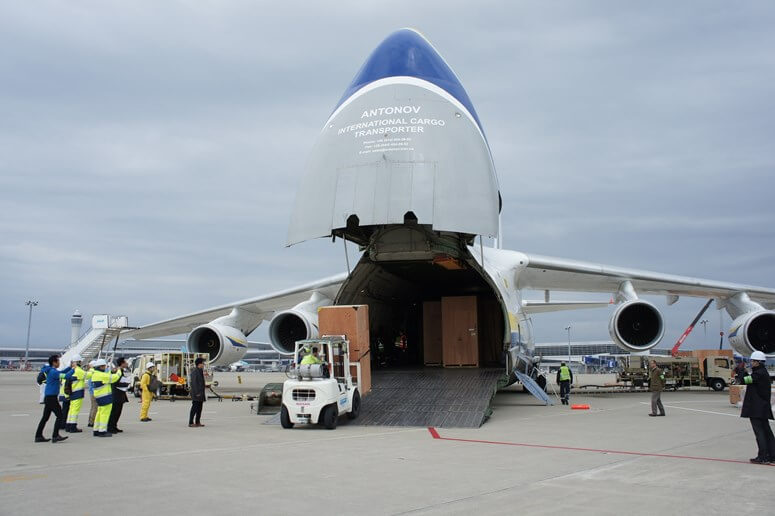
[756, 407]
[119, 397]
[196, 384]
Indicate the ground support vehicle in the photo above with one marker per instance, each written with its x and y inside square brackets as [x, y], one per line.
[716, 371]
[320, 393]
[172, 369]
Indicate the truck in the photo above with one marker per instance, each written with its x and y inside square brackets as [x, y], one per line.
[172, 370]
[320, 393]
[714, 371]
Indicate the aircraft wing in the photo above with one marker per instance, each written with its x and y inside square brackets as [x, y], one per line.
[548, 273]
[263, 307]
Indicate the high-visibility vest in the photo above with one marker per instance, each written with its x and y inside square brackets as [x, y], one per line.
[564, 373]
[102, 386]
[79, 379]
[62, 394]
[310, 359]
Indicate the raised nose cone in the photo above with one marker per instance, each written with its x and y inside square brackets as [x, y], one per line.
[406, 53]
[403, 146]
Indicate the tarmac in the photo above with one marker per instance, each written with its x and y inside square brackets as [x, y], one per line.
[527, 459]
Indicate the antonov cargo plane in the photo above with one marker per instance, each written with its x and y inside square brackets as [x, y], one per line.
[403, 169]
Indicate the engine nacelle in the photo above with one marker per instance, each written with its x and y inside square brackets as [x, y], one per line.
[753, 331]
[291, 325]
[224, 344]
[636, 326]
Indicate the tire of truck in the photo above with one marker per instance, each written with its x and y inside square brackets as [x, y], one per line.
[285, 418]
[356, 409]
[717, 384]
[136, 390]
[329, 416]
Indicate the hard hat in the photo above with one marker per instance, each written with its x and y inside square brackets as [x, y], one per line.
[92, 362]
[150, 365]
[100, 362]
[758, 355]
[76, 358]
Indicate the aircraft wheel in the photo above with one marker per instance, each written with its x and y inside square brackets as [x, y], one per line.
[329, 417]
[285, 418]
[356, 406]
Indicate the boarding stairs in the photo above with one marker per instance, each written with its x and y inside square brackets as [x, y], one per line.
[104, 330]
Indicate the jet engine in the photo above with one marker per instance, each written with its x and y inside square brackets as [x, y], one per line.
[224, 344]
[291, 325]
[636, 326]
[298, 323]
[753, 331]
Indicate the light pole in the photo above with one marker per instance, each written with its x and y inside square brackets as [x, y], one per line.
[29, 303]
[704, 323]
[567, 328]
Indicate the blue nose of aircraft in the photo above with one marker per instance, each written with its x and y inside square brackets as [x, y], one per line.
[406, 53]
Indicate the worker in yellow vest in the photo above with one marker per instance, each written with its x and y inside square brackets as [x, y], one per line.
[102, 381]
[76, 395]
[564, 378]
[311, 358]
[147, 394]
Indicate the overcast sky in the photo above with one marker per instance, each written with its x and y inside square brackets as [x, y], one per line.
[150, 151]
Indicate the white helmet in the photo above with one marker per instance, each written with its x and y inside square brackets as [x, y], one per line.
[758, 355]
[92, 362]
[100, 362]
[150, 365]
[76, 358]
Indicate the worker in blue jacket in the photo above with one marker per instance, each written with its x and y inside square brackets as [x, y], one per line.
[50, 402]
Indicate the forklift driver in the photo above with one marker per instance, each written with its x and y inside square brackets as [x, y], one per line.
[311, 358]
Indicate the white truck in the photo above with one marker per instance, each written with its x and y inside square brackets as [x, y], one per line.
[320, 393]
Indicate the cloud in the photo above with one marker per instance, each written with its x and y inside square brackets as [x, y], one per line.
[149, 153]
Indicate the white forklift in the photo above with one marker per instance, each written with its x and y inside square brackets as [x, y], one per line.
[320, 393]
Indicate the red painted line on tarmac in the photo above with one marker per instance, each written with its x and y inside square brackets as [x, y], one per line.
[435, 434]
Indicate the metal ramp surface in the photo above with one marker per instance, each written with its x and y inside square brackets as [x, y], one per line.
[444, 398]
[534, 388]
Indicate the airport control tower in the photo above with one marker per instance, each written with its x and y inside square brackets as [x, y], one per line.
[75, 326]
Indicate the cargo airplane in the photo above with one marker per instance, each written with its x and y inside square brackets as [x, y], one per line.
[402, 168]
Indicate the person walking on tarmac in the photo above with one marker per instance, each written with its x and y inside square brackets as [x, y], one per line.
[50, 403]
[65, 386]
[197, 385]
[103, 379]
[76, 396]
[656, 386]
[147, 395]
[119, 396]
[564, 379]
[756, 407]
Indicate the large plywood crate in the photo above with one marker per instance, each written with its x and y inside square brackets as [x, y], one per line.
[352, 321]
[459, 331]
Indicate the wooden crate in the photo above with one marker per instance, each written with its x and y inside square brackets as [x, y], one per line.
[352, 321]
[431, 333]
[459, 333]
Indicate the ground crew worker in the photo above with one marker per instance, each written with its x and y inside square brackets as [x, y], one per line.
[119, 396]
[656, 386]
[311, 358]
[147, 395]
[103, 379]
[564, 378]
[76, 396]
[93, 407]
[196, 385]
[64, 399]
[756, 407]
[50, 403]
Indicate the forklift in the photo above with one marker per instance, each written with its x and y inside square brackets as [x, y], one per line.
[320, 393]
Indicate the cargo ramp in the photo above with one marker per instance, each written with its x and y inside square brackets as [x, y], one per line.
[444, 398]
